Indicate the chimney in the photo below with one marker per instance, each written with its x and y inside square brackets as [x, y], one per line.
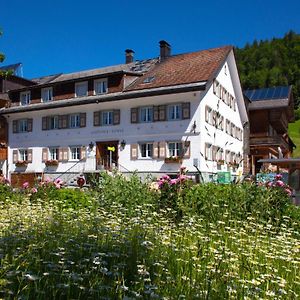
[129, 56]
[165, 50]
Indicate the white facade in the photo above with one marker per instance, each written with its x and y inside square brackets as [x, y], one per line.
[196, 130]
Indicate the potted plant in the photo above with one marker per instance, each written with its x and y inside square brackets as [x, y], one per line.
[220, 162]
[51, 162]
[21, 163]
[173, 160]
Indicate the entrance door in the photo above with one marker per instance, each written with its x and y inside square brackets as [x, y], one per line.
[107, 155]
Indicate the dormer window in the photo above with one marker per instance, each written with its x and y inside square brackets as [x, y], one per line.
[47, 94]
[100, 86]
[81, 89]
[25, 98]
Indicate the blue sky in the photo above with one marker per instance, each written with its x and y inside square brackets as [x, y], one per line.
[62, 36]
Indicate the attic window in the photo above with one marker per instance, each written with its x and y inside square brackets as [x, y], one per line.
[149, 79]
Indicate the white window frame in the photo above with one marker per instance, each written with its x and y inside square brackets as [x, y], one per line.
[75, 153]
[47, 94]
[146, 114]
[27, 98]
[74, 120]
[53, 153]
[103, 86]
[148, 151]
[176, 150]
[208, 151]
[23, 125]
[23, 154]
[78, 85]
[107, 118]
[174, 112]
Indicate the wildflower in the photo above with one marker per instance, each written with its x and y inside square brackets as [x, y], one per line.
[278, 177]
[25, 185]
[34, 190]
[279, 183]
[173, 181]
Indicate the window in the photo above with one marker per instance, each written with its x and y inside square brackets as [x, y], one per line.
[81, 89]
[53, 122]
[146, 114]
[75, 153]
[146, 150]
[47, 94]
[208, 151]
[23, 154]
[100, 86]
[23, 125]
[25, 98]
[175, 149]
[75, 121]
[174, 112]
[107, 118]
[53, 153]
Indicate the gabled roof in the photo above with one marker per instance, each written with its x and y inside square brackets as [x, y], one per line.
[271, 93]
[183, 69]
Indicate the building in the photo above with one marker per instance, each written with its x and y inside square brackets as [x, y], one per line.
[151, 116]
[270, 111]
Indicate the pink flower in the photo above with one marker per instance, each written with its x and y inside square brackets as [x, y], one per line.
[166, 177]
[58, 186]
[25, 185]
[58, 181]
[288, 191]
[278, 177]
[279, 183]
[173, 181]
[34, 190]
[269, 184]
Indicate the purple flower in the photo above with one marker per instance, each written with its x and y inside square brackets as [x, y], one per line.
[58, 181]
[34, 190]
[278, 177]
[166, 177]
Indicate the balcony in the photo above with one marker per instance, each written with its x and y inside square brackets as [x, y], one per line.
[269, 141]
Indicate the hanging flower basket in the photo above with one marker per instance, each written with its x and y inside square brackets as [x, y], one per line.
[21, 163]
[51, 163]
[173, 160]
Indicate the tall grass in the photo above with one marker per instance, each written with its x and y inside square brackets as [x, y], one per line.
[122, 248]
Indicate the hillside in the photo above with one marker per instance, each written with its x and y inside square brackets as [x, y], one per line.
[271, 63]
[294, 133]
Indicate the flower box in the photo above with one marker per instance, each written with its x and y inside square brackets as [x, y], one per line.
[220, 162]
[51, 163]
[173, 160]
[21, 164]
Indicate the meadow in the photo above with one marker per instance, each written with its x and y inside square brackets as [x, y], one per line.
[124, 239]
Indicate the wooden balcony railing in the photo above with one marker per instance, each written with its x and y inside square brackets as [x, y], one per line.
[3, 153]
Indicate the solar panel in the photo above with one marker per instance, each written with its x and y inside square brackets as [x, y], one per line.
[280, 92]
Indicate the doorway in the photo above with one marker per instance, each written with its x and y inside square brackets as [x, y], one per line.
[107, 155]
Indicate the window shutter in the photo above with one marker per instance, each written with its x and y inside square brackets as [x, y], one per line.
[65, 121]
[15, 156]
[60, 154]
[134, 151]
[65, 156]
[82, 119]
[186, 110]
[206, 114]
[44, 123]
[186, 146]
[134, 115]
[162, 112]
[162, 149]
[15, 126]
[44, 154]
[155, 113]
[82, 152]
[214, 87]
[29, 125]
[116, 116]
[96, 118]
[29, 155]
[155, 150]
[214, 153]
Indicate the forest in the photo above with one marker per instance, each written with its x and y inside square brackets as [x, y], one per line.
[269, 63]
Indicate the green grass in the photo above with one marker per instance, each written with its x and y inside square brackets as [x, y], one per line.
[294, 133]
